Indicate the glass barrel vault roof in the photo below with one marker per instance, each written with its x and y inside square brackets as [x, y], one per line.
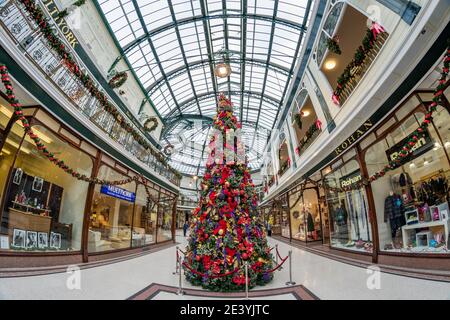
[172, 46]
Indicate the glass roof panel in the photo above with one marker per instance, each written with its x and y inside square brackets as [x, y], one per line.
[172, 45]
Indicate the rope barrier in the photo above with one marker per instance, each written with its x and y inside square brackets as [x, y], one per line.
[207, 275]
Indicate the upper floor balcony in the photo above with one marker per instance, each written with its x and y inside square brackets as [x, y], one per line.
[42, 54]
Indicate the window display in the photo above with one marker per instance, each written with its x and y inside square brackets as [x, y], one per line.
[164, 223]
[305, 215]
[43, 208]
[144, 223]
[111, 213]
[348, 211]
[412, 200]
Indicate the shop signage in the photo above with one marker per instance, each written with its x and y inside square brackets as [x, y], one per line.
[422, 146]
[61, 23]
[354, 137]
[350, 179]
[119, 193]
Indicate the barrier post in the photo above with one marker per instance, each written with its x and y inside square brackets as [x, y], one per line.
[246, 280]
[177, 265]
[276, 254]
[290, 282]
[180, 291]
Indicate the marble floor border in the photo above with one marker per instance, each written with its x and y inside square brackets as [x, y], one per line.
[151, 291]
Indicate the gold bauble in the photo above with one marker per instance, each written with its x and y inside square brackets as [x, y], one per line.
[216, 217]
[221, 232]
[260, 260]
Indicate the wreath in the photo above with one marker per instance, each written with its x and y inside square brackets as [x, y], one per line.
[168, 150]
[118, 80]
[151, 124]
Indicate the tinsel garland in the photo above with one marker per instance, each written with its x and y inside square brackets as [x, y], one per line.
[59, 47]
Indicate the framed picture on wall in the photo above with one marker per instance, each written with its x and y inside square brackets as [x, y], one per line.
[37, 184]
[19, 238]
[42, 240]
[31, 239]
[18, 176]
[55, 240]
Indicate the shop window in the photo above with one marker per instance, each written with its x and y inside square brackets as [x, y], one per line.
[164, 224]
[6, 112]
[144, 222]
[111, 213]
[411, 201]
[43, 207]
[348, 211]
[305, 215]
[305, 126]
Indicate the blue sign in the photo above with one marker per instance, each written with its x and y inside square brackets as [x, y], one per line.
[117, 192]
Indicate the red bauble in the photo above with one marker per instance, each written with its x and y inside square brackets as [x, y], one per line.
[206, 236]
[245, 256]
[197, 258]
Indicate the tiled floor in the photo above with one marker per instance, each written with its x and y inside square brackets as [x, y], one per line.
[325, 278]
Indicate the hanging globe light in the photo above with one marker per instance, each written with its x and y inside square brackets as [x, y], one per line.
[222, 68]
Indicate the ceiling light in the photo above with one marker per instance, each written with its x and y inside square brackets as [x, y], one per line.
[5, 151]
[412, 165]
[447, 144]
[222, 70]
[195, 178]
[330, 64]
[305, 113]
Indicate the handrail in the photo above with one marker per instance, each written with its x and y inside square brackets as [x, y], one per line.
[35, 47]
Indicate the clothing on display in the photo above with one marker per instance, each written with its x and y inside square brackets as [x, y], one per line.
[394, 212]
[310, 222]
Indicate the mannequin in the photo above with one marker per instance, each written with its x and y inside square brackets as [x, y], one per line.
[340, 217]
[394, 212]
[310, 224]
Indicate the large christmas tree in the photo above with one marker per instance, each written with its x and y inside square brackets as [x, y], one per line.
[226, 230]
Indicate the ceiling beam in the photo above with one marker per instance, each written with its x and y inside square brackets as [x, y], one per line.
[206, 17]
[177, 31]
[153, 49]
[244, 53]
[209, 46]
[272, 33]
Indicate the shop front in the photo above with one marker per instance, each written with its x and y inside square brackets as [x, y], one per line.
[52, 217]
[306, 213]
[402, 217]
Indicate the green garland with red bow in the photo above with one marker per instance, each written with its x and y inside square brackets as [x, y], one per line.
[59, 47]
[118, 80]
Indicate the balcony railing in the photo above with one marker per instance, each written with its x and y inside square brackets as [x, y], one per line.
[358, 72]
[311, 135]
[25, 33]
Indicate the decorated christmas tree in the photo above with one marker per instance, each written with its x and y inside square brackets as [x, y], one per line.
[226, 230]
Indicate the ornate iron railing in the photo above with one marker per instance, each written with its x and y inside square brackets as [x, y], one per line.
[25, 33]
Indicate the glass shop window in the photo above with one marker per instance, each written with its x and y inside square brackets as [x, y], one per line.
[111, 213]
[6, 112]
[43, 206]
[411, 201]
[144, 225]
[165, 215]
[305, 216]
[348, 211]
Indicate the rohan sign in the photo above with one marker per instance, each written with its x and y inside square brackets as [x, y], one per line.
[354, 137]
[61, 23]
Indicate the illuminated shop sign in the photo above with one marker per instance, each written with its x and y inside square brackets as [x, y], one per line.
[119, 193]
[423, 145]
[350, 179]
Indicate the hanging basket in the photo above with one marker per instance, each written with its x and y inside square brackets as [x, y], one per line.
[118, 80]
[151, 124]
